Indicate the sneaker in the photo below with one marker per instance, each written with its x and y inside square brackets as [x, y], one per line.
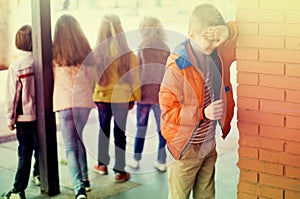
[12, 194]
[36, 180]
[102, 169]
[122, 177]
[133, 163]
[160, 166]
[81, 194]
[87, 185]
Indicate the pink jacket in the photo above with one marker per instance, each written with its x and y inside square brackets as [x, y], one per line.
[73, 87]
[20, 90]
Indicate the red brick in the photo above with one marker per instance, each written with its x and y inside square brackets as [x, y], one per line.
[280, 182]
[247, 4]
[248, 128]
[248, 152]
[269, 143]
[280, 133]
[280, 158]
[293, 147]
[270, 192]
[253, 15]
[247, 53]
[292, 16]
[260, 67]
[260, 92]
[293, 96]
[292, 172]
[280, 107]
[260, 166]
[287, 30]
[247, 78]
[250, 176]
[276, 81]
[266, 191]
[292, 194]
[293, 122]
[249, 140]
[260, 42]
[247, 28]
[260, 117]
[278, 55]
[248, 103]
[242, 195]
[280, 5]
[293, 69]
[292, 43]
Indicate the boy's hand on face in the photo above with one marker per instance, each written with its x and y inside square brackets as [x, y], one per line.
[214, 111]
[217, 33]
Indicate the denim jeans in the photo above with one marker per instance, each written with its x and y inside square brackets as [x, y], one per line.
[72, 123]
[142, 123]
[25, 136]
[105, 113]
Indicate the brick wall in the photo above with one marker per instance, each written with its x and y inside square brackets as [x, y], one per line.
[268, 92]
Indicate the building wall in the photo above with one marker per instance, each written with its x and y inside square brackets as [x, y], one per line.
[268, 65]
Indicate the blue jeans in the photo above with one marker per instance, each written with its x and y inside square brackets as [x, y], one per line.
[142, 123]
[25, 135]
[105, 113]
[72, 123]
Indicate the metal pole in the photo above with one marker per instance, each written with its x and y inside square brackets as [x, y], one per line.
[42, 53]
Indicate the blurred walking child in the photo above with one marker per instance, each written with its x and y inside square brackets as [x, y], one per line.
[153, 54]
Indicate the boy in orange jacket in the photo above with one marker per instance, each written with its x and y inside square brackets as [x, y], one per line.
[195, 95]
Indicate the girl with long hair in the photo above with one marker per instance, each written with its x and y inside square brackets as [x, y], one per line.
[115, 92]
[72, 97]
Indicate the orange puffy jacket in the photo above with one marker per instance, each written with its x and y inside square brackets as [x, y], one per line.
[181, 95]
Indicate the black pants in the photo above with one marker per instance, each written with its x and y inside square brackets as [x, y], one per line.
[26, 132]
[105, 113]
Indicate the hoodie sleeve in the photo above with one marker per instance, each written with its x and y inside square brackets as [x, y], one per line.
[11, 96]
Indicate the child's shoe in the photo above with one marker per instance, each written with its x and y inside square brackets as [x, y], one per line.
[122, 177]
[36, 180]
[81, 194]
[133, 163]
[12, 194]
[160, 166]
[87, 185]
[102, 169]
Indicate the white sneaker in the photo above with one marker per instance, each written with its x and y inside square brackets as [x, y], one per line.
[36, 180]
[133, 163]
[160, 166]
[13, 195]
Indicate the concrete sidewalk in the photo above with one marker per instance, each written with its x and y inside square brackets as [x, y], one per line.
[144, 182]
[99, 183]
[102, 186]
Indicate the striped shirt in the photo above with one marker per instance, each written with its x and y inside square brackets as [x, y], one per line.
[206, 128]
[209, 65]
